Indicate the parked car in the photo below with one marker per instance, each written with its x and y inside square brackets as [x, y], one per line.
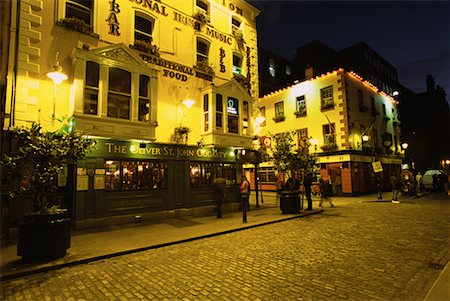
[427, 179]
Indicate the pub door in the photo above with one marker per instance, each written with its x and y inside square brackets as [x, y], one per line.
[178, 185]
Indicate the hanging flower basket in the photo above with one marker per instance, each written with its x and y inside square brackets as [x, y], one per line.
[181, 134]
[146, 47]
[205, 67]
[243, 81]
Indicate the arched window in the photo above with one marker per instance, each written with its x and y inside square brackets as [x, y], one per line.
[237, 63]
[202, 50]
[91, 91]
[80, 9]
[143, 28]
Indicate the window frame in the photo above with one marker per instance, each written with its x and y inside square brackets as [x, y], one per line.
[326, 98]
[200, 56]
[300, 112]
[279, 111]
[147, 18]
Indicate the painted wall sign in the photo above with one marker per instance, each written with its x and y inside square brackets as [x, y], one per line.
[222, 56]
[129, 149]
[154, 6]
[218, 35]
[112, 20]
[231, 6]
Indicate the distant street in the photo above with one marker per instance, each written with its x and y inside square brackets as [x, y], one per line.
[356, 251]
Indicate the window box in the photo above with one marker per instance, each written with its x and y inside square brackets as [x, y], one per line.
[146, 47]
[300, 114]
[327, 106]
[279, 118]
[204, 67]
[239, 36]
[77, 25]
[202, 18]
[244, 81]
[329, 147]
[181, 134]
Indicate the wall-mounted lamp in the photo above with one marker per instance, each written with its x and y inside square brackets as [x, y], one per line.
[56, 74]
[405, 145]
[188, 103]
[185, 100]
[314, 142]
[365, 137]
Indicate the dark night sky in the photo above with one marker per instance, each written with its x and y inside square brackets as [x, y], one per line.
[414, 36]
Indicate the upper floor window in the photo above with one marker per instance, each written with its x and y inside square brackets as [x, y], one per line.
[237, 63]
[362, 106]
[233, 115]
[144, 98]
[206, 112]
[91, 91]
[80, 9]
[219, 111]
[288, 70]
[272, 67]
[328, 134]
[262, 110]
[279, 112]
[119, 93]
[373, 109]
[303, 139]
[300, 106]
[235, 24]
[326, 98]
[143, 28]
[202, 50]
[202, 6]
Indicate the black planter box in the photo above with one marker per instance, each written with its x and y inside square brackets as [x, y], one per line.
[290, 202]
[44, 237]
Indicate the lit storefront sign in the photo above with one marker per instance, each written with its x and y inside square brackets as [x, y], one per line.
[232, 106]
[130, 149]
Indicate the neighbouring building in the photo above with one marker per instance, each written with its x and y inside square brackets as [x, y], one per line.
[331, 113]
[132, 66]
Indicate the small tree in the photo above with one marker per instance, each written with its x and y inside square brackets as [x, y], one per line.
[288, 158]
[31, 173]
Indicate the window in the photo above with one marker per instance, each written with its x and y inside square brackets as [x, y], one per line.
[267, 175]
[206, 112]
[237, 63]
[134, 175]
[235, 24]
[91, 90]
[279, 112]
[301, 106]
[372, 106]
[362, 106]
[326, 97]
[203, 174]
[245, 115]
[233, 115]
[303, 140]
[202, 50]
[144, 98]
[143, 28]
[219, 111]
[202, 6]
[288, 70]
[328, 134]
[272, 67]
[80, 9]
[262, 110]
[119, 93]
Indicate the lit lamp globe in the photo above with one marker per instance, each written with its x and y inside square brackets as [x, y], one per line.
[365, 138]
[404, 145]
[57, 76]
[188, 103]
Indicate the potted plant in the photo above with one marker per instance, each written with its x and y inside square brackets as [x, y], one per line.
[291, 160]
[181, 134]
[30, 174]
[205, 67]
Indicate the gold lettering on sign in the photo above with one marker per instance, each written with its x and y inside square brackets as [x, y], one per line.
[154, 6]
[112, 18]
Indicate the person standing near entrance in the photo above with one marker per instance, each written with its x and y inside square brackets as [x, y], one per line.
[307, 186]
[395, 184]
[324, 182]
[419, 182]
[245, 192]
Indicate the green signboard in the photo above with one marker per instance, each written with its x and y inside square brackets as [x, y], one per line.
[136, 150]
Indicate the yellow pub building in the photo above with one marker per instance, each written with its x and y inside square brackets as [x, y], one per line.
[167, 88]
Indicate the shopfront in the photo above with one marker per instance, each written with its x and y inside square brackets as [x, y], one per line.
[124, 181]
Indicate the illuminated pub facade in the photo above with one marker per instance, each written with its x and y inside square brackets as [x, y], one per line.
[343, 120]
[167, 89]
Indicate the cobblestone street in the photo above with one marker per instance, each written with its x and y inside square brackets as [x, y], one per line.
[356, 251]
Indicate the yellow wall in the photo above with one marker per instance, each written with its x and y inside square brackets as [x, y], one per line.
[40, 39]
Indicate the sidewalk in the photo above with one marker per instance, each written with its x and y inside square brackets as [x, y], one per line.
[96, 244]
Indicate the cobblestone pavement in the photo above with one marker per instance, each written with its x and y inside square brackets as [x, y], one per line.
[356, 251]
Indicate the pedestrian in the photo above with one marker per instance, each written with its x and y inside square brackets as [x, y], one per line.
[307, 186]
[419, 182]
[395, 184]
[245, 192]
[443, 182]
[338, 184]
[324, 183]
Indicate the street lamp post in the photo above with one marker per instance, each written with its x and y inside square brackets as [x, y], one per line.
[57, 76]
